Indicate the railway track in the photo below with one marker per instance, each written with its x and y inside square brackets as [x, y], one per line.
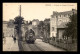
[30, 47]
[34, 47]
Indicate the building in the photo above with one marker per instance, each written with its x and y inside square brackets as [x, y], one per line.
[5, 28]
[58, 22]
[11, 27]
[8, 31]
[11, 23]
[35, 23]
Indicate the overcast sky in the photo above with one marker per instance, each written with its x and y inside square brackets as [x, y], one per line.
[30, 11]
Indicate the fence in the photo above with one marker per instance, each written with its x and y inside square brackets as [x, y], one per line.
[65, 44]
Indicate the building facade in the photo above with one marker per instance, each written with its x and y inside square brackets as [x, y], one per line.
[58, 22]
[11, 27]
[8, 29]
[35, 23]
[5, 28]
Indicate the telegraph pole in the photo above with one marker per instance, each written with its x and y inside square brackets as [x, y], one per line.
[20, 10]
[19, 21]
[20, 24]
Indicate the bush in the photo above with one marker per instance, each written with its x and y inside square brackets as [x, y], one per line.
[64, 44]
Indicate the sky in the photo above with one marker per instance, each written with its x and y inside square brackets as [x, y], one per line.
[30, 11]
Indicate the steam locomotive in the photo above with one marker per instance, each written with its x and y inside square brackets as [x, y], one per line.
[30, 36]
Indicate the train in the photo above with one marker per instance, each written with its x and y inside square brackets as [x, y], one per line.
[30, 36]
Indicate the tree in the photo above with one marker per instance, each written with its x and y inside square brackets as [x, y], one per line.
[48, 28]
[46, 32]
[17, 29]
[18, 21]
[71, 29]
[41, 27]
[47, 25]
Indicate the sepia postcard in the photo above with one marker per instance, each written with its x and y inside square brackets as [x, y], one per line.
[39, 27]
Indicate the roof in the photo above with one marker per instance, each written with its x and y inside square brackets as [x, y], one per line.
[35, 20]
[64, 13]
[62, 25]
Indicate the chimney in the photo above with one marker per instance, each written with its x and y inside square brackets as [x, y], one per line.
[55, 12]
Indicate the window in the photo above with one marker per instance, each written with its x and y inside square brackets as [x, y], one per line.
[60, 15]
[59, 20]
[67, 15]
[52, 28]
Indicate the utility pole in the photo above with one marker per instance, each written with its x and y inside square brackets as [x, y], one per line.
[20, 10]
[19, 21]
[20, 25]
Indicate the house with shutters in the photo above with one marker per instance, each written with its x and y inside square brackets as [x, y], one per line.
[58, 22]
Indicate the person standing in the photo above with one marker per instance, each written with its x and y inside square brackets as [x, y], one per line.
[14, 38]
